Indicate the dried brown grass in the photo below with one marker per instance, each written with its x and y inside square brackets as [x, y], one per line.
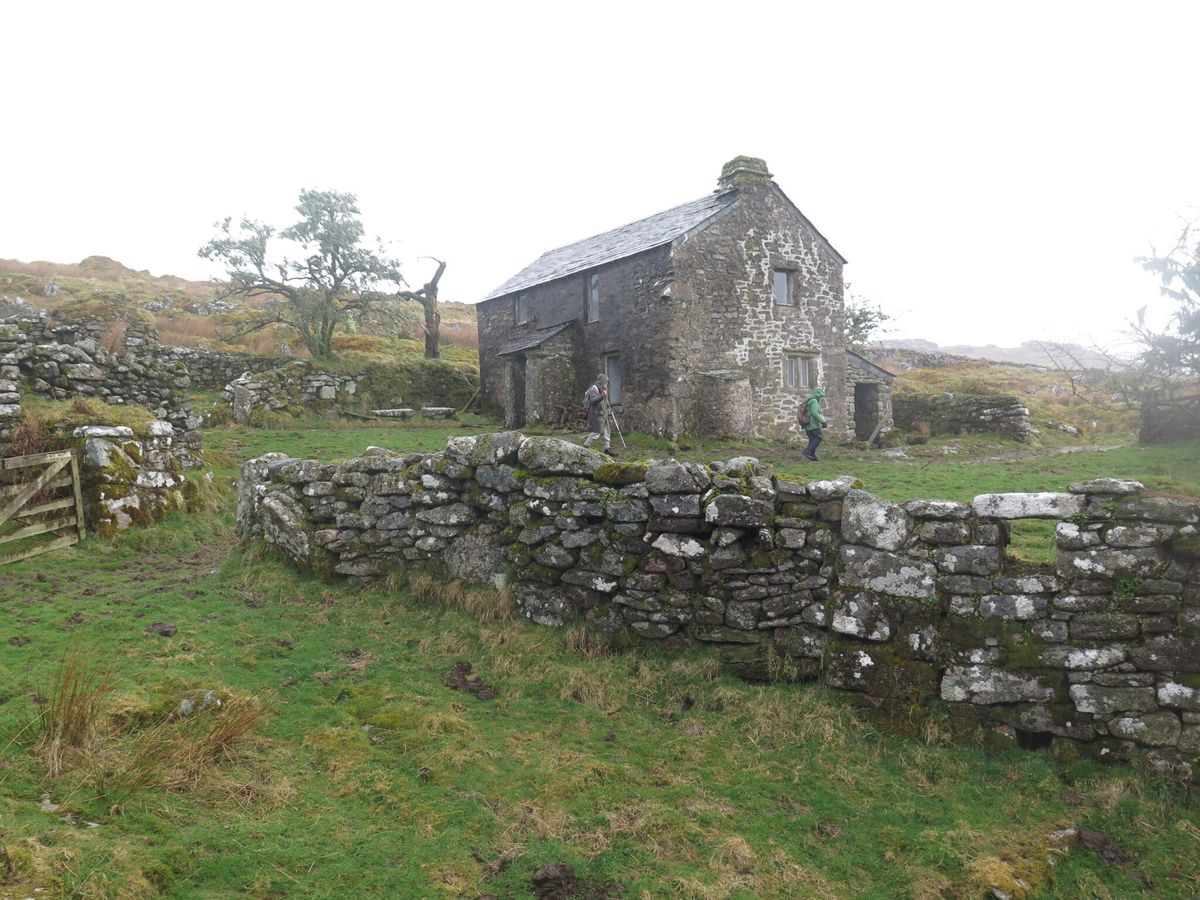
[31, 435]
[177, 754]
[487, 605]
[588, 643]
[69, 719]
[113, 338]
[460, 335]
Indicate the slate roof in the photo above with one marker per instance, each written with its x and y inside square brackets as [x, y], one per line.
[531, 340]
[644, 234]
[872, 367]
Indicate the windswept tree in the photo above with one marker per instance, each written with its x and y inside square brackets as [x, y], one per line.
[864, 320]
[331, 273]
[1160, 377]
[1173, 353]
[1168, 365]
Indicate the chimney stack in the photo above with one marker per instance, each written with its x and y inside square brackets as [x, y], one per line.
[740, 170]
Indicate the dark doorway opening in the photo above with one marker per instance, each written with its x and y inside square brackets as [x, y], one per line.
[866, 410]
[1033, 740]
[516, 381]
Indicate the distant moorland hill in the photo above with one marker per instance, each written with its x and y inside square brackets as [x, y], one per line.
[1051, 354]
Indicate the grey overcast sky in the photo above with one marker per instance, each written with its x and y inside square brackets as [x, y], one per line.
[989, 169]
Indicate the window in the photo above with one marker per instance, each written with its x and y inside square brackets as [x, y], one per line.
[799, 371]
[522, 309]
[782, 283]
[593, 299]
[612, 368]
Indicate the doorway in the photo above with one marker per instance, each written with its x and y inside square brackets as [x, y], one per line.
[866, 410]
[515, 402]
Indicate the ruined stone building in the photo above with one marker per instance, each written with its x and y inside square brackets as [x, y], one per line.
[712, 318]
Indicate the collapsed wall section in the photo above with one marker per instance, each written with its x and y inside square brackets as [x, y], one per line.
[300, 387]
[914, 608]
[939, 414]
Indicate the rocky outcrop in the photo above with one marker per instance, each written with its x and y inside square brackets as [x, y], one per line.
[911, 607]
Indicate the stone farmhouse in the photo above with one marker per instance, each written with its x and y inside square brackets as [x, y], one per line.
[713, 318]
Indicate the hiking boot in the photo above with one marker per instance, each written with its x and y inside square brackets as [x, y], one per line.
[807, 456]
[611, 452]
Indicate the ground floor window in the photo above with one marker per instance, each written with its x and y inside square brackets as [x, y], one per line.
[612, 368]
[800, 370]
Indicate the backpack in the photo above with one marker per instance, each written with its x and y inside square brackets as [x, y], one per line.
[805, 419]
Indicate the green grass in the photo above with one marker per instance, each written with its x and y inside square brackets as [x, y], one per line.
[370, 777]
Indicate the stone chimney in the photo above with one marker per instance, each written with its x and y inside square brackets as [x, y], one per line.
[741, 170]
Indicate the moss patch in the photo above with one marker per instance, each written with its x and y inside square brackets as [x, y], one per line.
[616, 473]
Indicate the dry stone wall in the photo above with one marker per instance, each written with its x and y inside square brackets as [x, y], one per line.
[912, 607]
[301, 386]
[58, 371]
[10, 410]
[295, 386]
[1176, 421]
[962, 414]
[127, 477]
[213, 370]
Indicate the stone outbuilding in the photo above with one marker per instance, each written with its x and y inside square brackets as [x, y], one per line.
[715, 318]
[870, 399]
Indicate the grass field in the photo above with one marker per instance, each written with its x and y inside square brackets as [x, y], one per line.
[341, 764]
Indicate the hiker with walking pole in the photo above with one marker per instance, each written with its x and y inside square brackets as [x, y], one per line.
[595, 401]
[812, 422]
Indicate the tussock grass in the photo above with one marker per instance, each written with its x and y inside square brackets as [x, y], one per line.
[69, 719]
[488, 605]
[603, 690]
[176, 754]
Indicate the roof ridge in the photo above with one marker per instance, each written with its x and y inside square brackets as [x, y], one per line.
[709, 196]
[626, 240]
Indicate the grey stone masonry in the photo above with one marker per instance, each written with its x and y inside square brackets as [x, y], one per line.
[297, 384]
[719, 317]
[962, 414]
[58, 371]
[1102, 653]
[127, 477]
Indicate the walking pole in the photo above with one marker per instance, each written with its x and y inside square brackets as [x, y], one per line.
[624, 446]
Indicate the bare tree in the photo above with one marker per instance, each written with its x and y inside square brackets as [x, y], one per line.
[427, 296]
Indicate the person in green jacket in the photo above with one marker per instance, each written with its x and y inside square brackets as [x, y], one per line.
[811, 410]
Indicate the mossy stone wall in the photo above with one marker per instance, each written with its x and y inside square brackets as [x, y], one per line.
[913, 608]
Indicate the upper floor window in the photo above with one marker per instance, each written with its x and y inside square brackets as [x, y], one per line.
[593, 299]
[782, 284]
[521, 309]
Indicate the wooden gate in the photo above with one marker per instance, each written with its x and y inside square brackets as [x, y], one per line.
[40, 505]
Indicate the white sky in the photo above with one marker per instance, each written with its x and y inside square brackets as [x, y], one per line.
[990, 170]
